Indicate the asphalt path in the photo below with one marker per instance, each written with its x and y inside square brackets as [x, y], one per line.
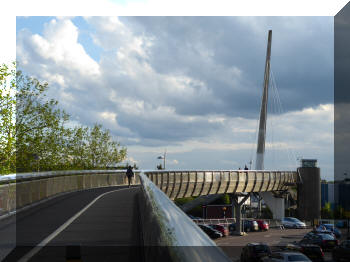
[92, 225]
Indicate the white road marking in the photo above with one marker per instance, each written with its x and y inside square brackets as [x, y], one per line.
[43, 243]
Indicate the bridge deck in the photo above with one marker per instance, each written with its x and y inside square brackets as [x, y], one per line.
[107, 230]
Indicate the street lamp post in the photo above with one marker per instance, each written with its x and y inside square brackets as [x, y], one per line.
[224, 209]
[163, 157]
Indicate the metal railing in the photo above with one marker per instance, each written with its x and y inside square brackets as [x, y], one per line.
[176, 232]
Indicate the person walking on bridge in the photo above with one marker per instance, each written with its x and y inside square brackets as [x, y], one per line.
[129, 174]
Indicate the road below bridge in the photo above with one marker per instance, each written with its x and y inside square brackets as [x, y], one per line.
[103, 222]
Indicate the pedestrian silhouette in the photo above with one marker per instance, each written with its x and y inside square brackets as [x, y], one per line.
[245, 167]
[129, 174]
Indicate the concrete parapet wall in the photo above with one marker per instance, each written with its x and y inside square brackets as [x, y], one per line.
[22, 190]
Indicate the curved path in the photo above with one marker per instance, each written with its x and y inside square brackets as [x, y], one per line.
[106, 229]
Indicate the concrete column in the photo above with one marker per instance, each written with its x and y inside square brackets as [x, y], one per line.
[238, 211]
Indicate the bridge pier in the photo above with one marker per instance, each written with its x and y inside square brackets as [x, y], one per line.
[238, 211]
[275, 204]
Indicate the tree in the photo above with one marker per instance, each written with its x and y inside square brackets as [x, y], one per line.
[40, 127]
[34, 134]
[7, 119]
[92, 148]
[326, 211]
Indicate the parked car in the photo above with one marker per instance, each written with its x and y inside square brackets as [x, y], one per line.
[254, 252]
[320, 232]
[313, 252]
[342, 252]
[212, 233]
[341, 224]
[250, 225]
[286, 256]
[263, 225]
[232, 227]
[332, 228]
[292, 222]
[221, 228]
[325, 241]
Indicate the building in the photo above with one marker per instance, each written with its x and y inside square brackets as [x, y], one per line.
[336, 193]
[328, 194]
[344, 194]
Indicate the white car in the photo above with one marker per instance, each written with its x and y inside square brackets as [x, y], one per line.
[292, 222]
[287, 256]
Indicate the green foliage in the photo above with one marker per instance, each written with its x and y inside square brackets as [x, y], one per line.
[91, 148]
[182, 201]
[226, 199]
[327, 212]
[34, 134]
[7, 118]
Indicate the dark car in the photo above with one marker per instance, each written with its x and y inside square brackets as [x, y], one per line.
[254, 252]
[325, 241]
[313, 252]
[223, 230]
[332, 228]
[263, 225]
[211, 232]
[250, 225]
[321, 232]
[342, 252]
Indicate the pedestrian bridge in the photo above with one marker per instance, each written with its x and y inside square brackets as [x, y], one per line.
[179, 184]
[17, 191]
[94, 209]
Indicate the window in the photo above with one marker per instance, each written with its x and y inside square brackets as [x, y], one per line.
[261, 248]
[298, 257]
[326, 237]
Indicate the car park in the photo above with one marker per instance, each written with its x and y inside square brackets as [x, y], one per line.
[212, 233]
[292, 222]
[263, 225]
[286, 256]
[342, 252]
[221, 228]
[325, 241]
[332, 228]
[255, 252]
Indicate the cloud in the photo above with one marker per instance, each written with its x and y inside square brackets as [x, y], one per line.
[190, 84]
[58, 45]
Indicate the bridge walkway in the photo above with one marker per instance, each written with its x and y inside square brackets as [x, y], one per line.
[107, 230]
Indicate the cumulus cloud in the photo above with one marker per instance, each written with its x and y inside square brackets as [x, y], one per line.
[191, 84]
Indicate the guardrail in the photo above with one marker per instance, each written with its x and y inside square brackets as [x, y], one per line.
[169, 232]
[18, 191]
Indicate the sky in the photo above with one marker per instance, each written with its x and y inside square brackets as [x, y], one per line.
[190, 86]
